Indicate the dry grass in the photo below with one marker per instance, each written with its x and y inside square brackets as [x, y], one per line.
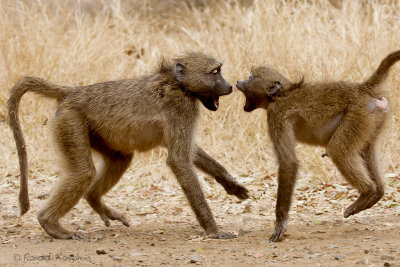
[65, 45]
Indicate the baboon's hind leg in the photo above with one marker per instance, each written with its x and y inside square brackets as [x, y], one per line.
[369, 155]
[72, 137]
[115, 164]
[345, 151]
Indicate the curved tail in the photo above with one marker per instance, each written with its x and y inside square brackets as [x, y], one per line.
[383, 70]
[43, 88]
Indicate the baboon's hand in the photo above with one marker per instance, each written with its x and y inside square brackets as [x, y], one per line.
[222, 235]
[238, 190]
[280, 229]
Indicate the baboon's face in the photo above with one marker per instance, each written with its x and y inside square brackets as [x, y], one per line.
[261, 84]
[253, 90]
[201, 75]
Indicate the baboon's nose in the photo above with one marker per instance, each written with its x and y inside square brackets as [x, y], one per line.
[239, 86]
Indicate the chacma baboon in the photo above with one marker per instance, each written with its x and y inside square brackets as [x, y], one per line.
[118, 117]
[344, 117]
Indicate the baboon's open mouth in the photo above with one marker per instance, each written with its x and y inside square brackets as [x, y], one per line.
[249, 106]
[211, 103]
[216, 103]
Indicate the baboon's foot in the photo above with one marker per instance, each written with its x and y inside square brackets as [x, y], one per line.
[375, 198]
[236, 189]
[364, 201]
[222, 235]
[106, 213]
[110, 214]
[55, 230]
[280, 229]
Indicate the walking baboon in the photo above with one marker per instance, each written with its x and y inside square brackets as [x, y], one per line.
[118, 117]
[344, 117]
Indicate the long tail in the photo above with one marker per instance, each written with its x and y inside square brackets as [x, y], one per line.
[43, 88]
[383, 70]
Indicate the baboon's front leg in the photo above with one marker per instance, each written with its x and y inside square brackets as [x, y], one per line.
[180, 153]
[284, 143]
[210, 166]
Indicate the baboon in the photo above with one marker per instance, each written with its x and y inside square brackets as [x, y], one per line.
[345, 118]
[117, 118]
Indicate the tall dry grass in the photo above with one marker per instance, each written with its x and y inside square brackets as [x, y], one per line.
[66, 45]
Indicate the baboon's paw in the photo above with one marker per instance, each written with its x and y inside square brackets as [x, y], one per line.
[280, 229]
[363, 202]
[114, 215]
[54, 229]
[238, 190]
[106, 220]
[375, 198]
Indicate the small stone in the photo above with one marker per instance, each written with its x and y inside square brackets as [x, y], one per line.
[99, 237]
[362, 262]
[196, 259]
[11, 231]
[43, 196]
[152, 244]
[101, 251]
[339, 257]
[247, 209]
[386, 264]
[179, 257]
[387, 258]
[242, 232]
[366, 251]
[88, 222]
[331, 246]
[135, 254]
[117, 258]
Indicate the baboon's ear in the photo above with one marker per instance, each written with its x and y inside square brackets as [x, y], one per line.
[274, 88]
[180, 71]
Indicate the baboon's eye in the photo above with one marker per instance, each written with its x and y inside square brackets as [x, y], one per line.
[216, 71]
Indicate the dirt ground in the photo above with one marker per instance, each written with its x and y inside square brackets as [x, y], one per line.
[163, 230]
[62, 45]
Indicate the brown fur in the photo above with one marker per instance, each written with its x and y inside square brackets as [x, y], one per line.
[341, 116]
[119, 117]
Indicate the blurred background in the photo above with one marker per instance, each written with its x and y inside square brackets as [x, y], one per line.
[90, 41]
